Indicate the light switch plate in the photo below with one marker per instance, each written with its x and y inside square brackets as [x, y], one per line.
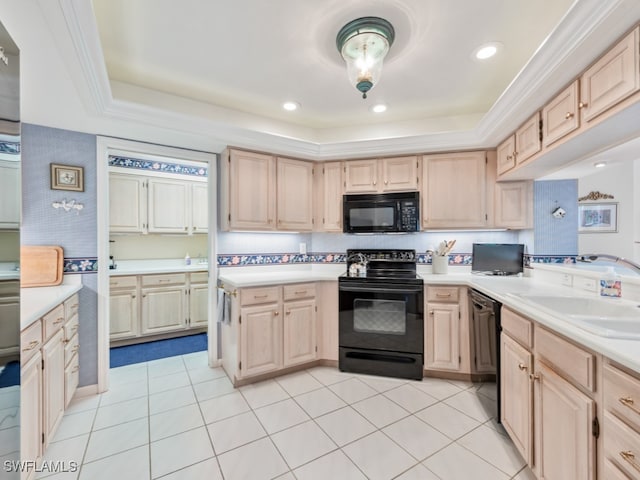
[303, 248]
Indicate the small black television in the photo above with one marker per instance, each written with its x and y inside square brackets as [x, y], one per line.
[497, 258]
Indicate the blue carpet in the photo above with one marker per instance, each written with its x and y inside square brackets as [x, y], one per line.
[143, 352]
[10, 375]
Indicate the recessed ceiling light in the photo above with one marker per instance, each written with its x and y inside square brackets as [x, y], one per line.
[379, 108]
[600, 164]
[290, 106]
[487, 50]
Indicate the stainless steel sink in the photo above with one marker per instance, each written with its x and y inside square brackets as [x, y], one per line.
[613, 318]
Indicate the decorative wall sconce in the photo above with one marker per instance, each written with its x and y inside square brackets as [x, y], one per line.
[67, 206]
[559, 212]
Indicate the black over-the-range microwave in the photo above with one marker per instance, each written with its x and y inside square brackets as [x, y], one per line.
[381, 213]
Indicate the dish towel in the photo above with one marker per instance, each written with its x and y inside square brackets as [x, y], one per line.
[224, 306]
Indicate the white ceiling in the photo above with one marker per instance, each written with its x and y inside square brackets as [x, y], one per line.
[200, 74]
[252, 55]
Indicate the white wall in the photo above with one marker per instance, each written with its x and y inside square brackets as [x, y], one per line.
[617, 180]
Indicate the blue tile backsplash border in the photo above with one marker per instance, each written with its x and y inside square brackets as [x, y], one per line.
[157, 166]
[12, 148]
[80, 265]
[90, 265]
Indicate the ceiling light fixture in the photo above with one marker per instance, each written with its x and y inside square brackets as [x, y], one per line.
[488, 50]
[600, 164]
[379, 108]
[290, 106]
[363, 44]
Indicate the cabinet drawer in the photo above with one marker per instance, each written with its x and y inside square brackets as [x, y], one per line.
[160, 280]
[443, 294]
[71, 377]
[622, 445]
[299, 290]
[576, 363]
[519, 328]
[254, 296]
[123, 282]
[30, 341]
[200, 277]
[622, 394]
[71, 327]
[612, 472]
[53, 321]
[71, 306]
[71, 348]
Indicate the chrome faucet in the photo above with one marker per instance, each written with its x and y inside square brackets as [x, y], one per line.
[592, 257]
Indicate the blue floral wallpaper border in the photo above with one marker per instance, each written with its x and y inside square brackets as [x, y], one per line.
[90, 264]
[12, 148]
[456, 259]
[560, 259]
[155, 166]
[80, 265]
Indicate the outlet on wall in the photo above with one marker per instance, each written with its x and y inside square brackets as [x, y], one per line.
[303, 248]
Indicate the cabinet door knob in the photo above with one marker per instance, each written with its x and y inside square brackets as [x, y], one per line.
[374, 184]
[568, 115]
[534, 376]
[275, 314]
[386, 182]
[430, 312]
[509, 157]
[288, 313]
[522, 366]
[582, 105]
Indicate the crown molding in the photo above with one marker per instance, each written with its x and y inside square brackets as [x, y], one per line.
[551, 67]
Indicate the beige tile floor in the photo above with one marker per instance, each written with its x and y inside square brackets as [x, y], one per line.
[176, 418]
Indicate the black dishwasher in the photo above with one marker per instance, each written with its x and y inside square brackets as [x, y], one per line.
[486, 332]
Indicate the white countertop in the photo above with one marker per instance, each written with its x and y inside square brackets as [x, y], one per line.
[8, 271]
[502, 289]
[141, 267]
[36, 302]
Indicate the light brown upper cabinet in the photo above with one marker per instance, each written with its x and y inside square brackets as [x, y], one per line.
[395, 174]
[249, 192]
[560, 116]
[528, 141]
[514, 205]
[294, 187]
[454, 190]
[262, 192]
[520, 146]
[328, 190]
[612, 78]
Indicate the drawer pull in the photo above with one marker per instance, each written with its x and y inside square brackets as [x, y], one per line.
[32, 344]
[630, 458]
[522, 366]
[300, 292]
[75, 349]
[628, 402]
[260, 296]
[59, 321]
[75, 369]
[443, 295]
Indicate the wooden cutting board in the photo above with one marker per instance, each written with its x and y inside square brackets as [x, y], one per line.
[40, 266]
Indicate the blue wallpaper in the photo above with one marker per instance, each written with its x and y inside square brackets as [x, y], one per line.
[555, 236]
[75, 231]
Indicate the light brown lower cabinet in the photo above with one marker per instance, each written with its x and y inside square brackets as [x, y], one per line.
[271, 328]
[48, 377]
[549, 400]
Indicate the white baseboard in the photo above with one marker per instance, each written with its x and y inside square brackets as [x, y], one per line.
[86, 391]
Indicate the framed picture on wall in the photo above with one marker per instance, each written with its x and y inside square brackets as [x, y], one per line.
[598, 218]
[67, 177]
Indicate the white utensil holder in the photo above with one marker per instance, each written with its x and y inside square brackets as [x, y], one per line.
[440, 264]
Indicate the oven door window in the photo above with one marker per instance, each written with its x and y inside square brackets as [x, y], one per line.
[379, 316]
